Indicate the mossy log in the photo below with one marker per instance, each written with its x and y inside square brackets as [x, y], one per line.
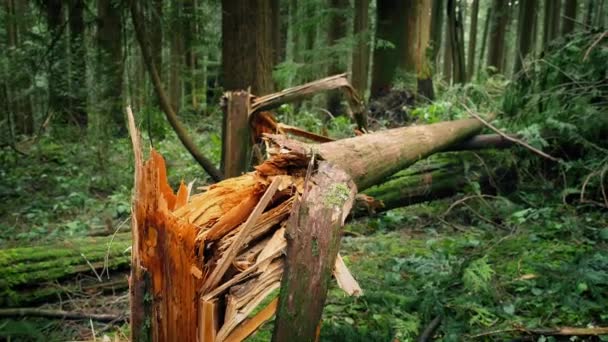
[30, 275]
[440, 177]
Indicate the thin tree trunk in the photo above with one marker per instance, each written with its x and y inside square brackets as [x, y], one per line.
[569, 16]
[408, 54]
[447, 53]
[78, 56]
[111, 65]
[497, 34]
[58, 71]
[247, 46]
[156, 24]
[360, 67]
[337, 31]
[526, 32]
[176, 57]
[437, 15]
[423, 65]
[472, 40]
[484, 39]
[190, 58]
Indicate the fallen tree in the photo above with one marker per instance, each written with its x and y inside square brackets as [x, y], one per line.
[201, 264]
[45, 273]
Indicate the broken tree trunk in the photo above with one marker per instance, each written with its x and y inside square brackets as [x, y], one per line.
[201, 264]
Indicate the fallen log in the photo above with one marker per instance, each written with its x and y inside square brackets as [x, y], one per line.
[30, 275]
[201, 264]
[427, 180]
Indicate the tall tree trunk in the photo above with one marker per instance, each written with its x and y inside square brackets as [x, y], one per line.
[176, 56]
[590, 8]
[78, 56]
[423, 65]
[456, 40]
[484, 39]
[437, 15]
[408, 53]
[360, 67]
[447, 53]
[472, 40]
[188, 21]
[279, 32]
[337, 31]
[19, 101]
[569, 16]
[111, 65]
[551, 21]
[389, 31]
[247, 45]
[156, 24]
[526, 32]
[58, 68]
[497, 34]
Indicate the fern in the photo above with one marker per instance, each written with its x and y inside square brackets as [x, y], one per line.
[477, 276]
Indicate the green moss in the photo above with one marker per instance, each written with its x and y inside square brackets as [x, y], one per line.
[337, 195]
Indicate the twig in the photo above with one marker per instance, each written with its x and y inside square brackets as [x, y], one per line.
[35, 312]
[430, 329]
[92, 268]
[601, 36]
[106, 258]
[506, 136]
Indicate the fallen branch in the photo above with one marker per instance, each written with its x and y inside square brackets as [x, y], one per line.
[165, 105]
[510, 138]
[60, 314]
[560, 331]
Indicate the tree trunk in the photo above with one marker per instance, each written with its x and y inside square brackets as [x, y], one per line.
[28, 275]
[236, 141]
[247, 46]
[484, 39]
[569, 17]
[526, 32]
[111, 65]
[360, 66]
[437, 15]
[551, 21]
[447, 54]
[57, 58]
[20, 105]
[473, 40]
[78, 70]
[188, 21]
[423, 65]
[408, 54]
[456, 40]
[336, 31]
[497, 34]
[589, 13]
[279, 32]
[389, 32]
[176, 57]
[156, 23]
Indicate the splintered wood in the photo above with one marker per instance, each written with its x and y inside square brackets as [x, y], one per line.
[215, 258]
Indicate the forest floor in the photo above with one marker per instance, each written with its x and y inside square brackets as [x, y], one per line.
[483, 264]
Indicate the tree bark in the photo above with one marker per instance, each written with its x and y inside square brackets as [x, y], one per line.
[526, 32]
[313, 241]
[551, 21]
[236, 141]
[247, 56]
[336, 31]
[360, 66]
[57, 59]
[448, 60]
[497, 34]
[78, 70]
[473, 40]
[111, 65]
[569, 16]
[409, 39]
[456, 40]
[176, 56]
[423, 65]
[437, 16]
[484, 39]
[389, 19]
